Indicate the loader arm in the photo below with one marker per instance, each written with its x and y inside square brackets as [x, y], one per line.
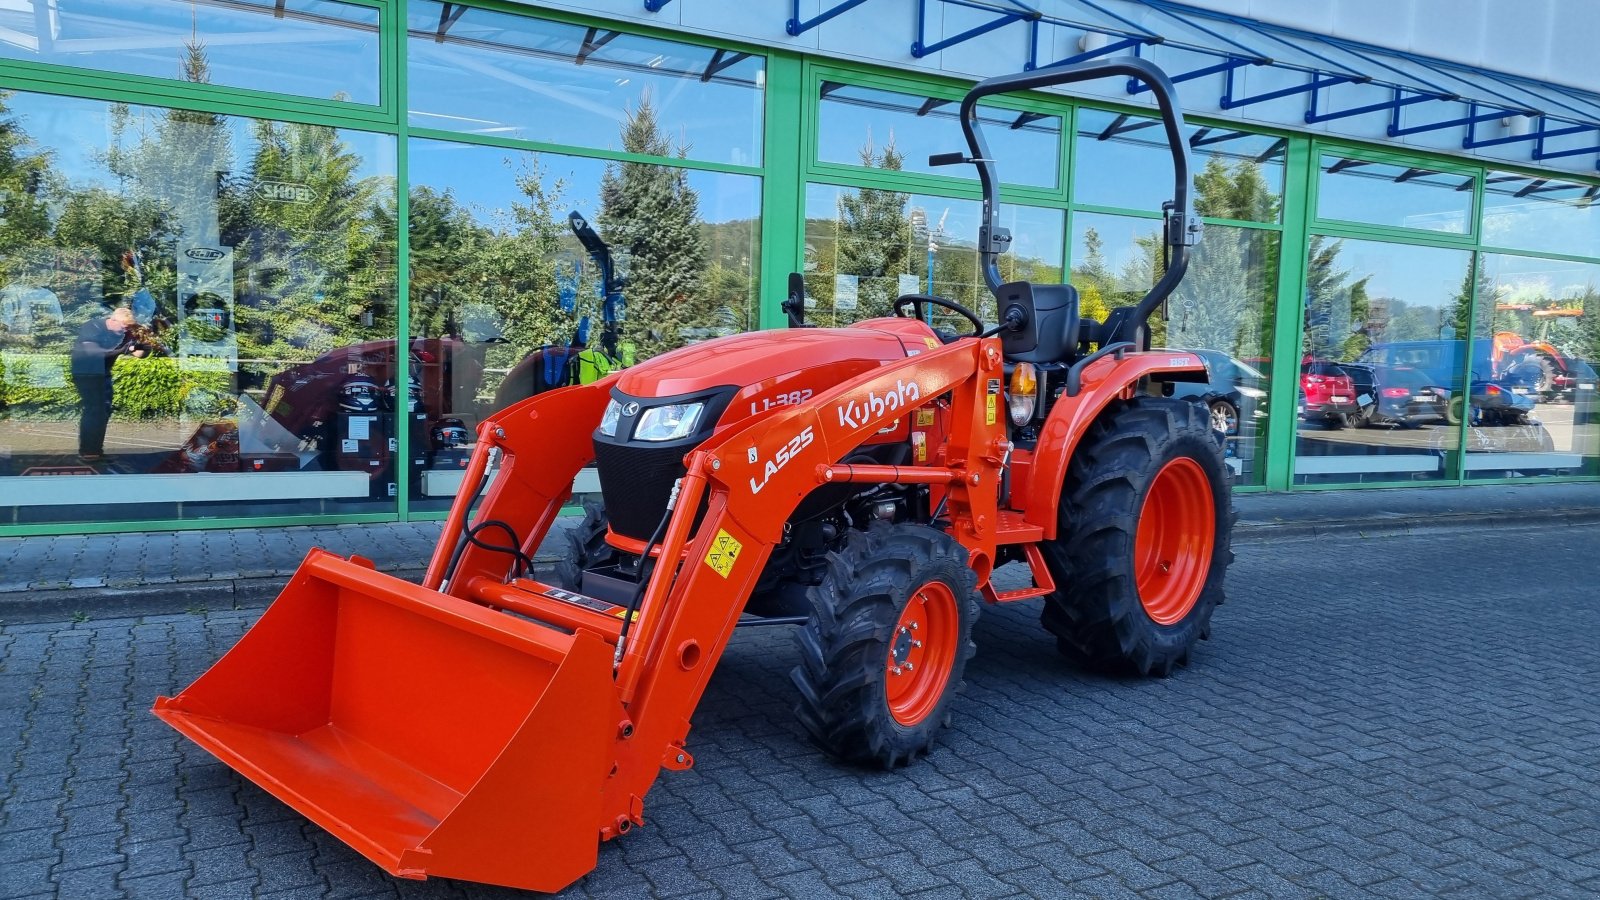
[686, 621]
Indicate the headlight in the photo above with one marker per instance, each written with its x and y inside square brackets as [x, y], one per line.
[668, 423]
[1024, 393]
[608, 422]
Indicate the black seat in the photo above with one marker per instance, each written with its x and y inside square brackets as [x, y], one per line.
[1054, 327]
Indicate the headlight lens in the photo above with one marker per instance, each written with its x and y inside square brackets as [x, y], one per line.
[608, 422]
[668, 423]
[1024, 394]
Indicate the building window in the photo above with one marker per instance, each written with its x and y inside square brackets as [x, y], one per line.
[866, 246]
[321, 49]
[505, 76]
[504, 302]
[862, 126]
[1123, 161]
[1383, 361]
[1222, 309]
[1545, 215]
[188, 292]
[1537, 334]
[1399, 196]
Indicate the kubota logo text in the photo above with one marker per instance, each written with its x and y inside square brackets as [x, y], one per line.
[859, 412]
[780, 459]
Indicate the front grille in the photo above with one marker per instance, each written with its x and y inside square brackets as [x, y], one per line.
[636, 481]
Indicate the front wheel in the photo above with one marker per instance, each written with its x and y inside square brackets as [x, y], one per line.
[585, 548]
[888, 641]
[1143, 542]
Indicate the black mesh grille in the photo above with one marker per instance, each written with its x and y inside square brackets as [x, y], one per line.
[636, 482]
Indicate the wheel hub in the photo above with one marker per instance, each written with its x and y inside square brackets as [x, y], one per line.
[1176, 538]
[922, 653]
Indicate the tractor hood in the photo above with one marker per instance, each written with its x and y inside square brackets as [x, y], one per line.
[776, 363]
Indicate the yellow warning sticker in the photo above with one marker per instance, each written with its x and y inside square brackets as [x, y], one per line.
[989, 410]
[724, 552]
[932, 344]
[924, 417]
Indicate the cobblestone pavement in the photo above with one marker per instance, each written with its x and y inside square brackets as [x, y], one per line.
[1409, 715]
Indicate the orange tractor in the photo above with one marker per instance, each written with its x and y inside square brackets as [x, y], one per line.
[862, 482]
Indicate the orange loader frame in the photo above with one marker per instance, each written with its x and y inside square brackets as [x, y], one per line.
[439, 735]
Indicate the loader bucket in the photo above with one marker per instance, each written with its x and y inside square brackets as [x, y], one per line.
[434, 736]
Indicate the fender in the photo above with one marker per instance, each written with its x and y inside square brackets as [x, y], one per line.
[1103, 381]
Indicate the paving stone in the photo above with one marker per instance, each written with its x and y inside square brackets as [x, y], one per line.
[1328, 740]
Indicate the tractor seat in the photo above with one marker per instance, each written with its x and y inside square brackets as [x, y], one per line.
[1055, 312]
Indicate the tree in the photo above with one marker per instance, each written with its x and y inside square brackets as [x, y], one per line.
[650, 211]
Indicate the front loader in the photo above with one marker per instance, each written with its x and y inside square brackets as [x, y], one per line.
[863, 482]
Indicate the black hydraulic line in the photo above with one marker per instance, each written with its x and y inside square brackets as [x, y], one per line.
[638, 591]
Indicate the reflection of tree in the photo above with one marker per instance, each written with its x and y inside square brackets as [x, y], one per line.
[1331, 300]
[318, 268]
[652, 211]
[874, 238]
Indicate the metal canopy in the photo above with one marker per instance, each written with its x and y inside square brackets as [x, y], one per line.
[1420, 94]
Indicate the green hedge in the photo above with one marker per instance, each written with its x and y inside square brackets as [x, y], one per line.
[39, 386]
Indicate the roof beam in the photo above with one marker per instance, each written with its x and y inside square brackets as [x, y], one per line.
[722, 59]
[449, 15]
[593, 40]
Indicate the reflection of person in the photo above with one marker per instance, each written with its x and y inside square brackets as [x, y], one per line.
[100, 342]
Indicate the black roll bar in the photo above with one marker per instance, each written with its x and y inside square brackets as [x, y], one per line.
[1183, 227]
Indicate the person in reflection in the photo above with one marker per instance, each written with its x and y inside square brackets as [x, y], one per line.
[100, 341]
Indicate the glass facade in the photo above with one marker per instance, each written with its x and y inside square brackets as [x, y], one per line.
[237, 290]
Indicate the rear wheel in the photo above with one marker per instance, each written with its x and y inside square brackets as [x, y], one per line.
[1144, 536]
[888, 641]
[585, 548]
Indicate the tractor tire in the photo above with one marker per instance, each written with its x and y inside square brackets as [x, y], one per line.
[888, 641]
[585, 548]
[1544, 384]
[1143, 546]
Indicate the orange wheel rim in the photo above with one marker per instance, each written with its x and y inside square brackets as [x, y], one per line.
[922, 653]
[1177, 534]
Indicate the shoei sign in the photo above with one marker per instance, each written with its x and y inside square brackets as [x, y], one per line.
[285, 192]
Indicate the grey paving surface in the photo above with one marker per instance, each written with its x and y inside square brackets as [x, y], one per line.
[112, 574]
[1400, 715]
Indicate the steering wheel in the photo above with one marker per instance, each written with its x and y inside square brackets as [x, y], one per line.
[909, 306]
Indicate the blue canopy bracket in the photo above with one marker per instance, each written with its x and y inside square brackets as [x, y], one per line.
[1540, 153]
[655, 5]
[1542, 131]
[1313, 116]
[794, 27]
[1018, 12]
[1317, 83]
[1473, 117]
[1228, 64]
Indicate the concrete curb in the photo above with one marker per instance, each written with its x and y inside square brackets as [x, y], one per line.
[199, 597]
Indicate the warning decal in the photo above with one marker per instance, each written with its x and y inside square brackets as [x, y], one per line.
[989, 410]
[724, 552]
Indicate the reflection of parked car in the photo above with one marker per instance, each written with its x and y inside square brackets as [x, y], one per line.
[1393, 395]
[1327, 393]
[1235, 393]
[1503, 398]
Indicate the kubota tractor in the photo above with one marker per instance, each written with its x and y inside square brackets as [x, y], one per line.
[866, 481]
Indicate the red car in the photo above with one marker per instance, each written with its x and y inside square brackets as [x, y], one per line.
[1327, 393]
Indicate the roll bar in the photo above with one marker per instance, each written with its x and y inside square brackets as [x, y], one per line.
[1182, 228]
